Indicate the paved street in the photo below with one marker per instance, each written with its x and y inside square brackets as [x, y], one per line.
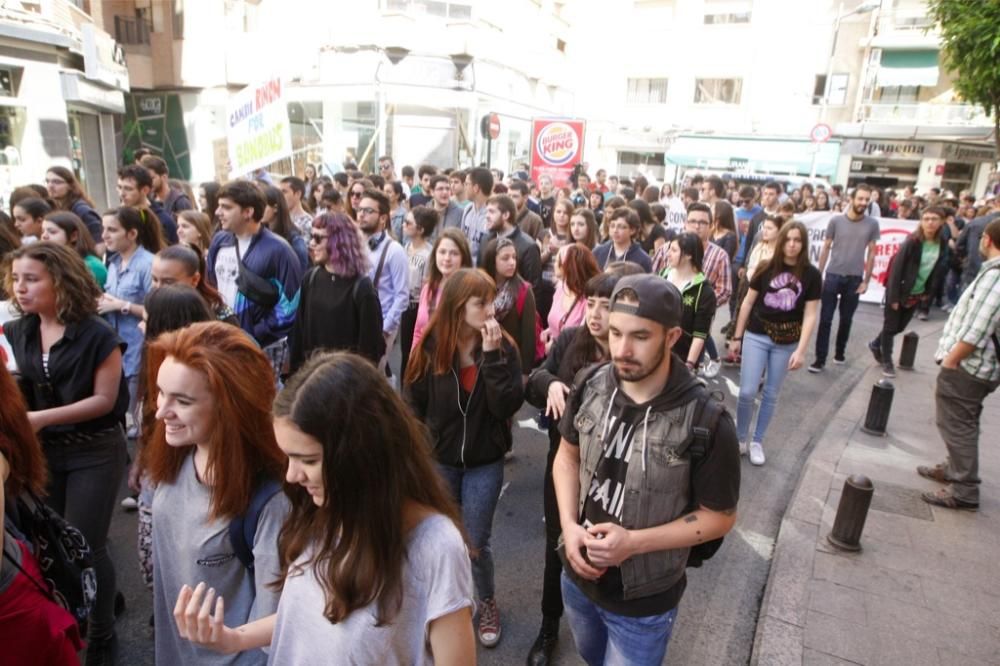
[718, 615]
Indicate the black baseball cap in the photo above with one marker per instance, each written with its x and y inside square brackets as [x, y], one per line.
[659, 300]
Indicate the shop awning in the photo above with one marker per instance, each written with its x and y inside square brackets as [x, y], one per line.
[908, 68]
[768, 156]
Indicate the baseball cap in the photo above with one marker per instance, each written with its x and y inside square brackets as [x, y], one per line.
[659, 300]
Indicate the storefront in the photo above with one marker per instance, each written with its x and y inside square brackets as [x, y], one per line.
[760, 157]
[921, 164]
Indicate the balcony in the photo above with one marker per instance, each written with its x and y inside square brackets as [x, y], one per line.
[904, 28]
[938, 115]
[131, 31]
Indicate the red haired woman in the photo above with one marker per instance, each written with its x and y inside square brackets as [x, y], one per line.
[34, 629]
[575, 264]
[212, 451]
[464, 383]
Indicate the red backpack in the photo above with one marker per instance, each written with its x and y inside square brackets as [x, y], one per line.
[522, 295]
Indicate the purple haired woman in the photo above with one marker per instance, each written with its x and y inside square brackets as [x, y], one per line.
[338, 306]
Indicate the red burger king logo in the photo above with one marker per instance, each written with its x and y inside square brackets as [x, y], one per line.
[557, 144]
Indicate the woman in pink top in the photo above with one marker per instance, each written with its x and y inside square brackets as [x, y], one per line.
[450, 252]
[575, 264]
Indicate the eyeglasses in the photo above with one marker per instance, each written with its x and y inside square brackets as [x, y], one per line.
[365, 211]
[318, 238]
[356, 195]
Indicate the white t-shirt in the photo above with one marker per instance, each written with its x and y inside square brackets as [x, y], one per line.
[227, 268]
[437, 581]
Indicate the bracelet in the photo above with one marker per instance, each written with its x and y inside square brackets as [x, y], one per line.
[739, 339]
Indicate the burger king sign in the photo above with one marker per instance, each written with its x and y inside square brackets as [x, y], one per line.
[556, 147]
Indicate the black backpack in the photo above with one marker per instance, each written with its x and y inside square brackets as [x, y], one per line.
[63, 555]
[707, 412]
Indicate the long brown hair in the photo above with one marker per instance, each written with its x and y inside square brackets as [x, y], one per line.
[434, 277]
[776, 264]
[75, 193]
[578, 266]
[242, 448]
[18, 442]
[446, 322]
[75, 289]
[376, 458]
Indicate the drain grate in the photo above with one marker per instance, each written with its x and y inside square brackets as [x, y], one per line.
[901, 500]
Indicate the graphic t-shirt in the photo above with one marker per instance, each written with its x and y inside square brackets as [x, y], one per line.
[227, 268]
[781, 303]
[929, 252]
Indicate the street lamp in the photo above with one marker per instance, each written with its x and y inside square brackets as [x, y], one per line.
[864, 8]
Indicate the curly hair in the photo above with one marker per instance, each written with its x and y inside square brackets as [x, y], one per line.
[73, 283]
[344, 245]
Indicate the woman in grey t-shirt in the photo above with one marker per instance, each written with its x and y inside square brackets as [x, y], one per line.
[212, 454]
[374, 568]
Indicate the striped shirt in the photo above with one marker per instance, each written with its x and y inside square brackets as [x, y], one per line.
[974, 321]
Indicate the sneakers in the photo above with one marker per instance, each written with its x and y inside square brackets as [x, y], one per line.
[743, 448]
[489, 623]
[875, 347]
[711, 369]
[888, 370]
[130, 504]
[817, 367]
[839, 359]
[923, 316]
[756, 453]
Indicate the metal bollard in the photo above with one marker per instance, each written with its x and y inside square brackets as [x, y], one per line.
[878, 408]
[851, 513]
[909, 352]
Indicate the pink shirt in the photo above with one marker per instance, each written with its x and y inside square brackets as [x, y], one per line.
[423, 315]
[558, 317]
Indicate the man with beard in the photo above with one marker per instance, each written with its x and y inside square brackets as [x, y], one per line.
[849, 247]
[389, 265]
[500, 212]
[622, 585]
[449, 211]
[527, 221]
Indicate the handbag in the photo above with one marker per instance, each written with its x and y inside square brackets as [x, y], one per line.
[64, 558]
[260, 290]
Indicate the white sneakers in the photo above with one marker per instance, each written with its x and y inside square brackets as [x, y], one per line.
[711, 369]
[756, 453]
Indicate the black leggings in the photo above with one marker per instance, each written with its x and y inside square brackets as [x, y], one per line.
[552, 601]
[84, 478]
[894, 322]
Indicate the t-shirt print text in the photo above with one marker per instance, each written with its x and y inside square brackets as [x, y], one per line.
[215, 560]
[607, 488]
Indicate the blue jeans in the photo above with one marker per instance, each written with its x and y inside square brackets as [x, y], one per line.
[602, 637]
[477, 491]
[760, 353]
[845, 289]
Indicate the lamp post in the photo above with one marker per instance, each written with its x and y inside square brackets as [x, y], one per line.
[863, 8]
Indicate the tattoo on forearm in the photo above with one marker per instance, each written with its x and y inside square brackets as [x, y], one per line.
[690, 518]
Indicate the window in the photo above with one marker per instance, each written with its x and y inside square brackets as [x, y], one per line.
[717, 91]
[178, 19]
[6, 83]
[438, 8]
[646, 91]
[898, 94]
[727, 17]
[561, 46]
[837, 93]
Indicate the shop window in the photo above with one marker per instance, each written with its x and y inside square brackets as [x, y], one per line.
[717, 91]
[11, 133]
[646, 91]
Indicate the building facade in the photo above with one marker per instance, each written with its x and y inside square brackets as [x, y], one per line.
[62, 86]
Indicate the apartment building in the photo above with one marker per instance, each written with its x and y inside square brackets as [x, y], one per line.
[738, 85]
[62, 85]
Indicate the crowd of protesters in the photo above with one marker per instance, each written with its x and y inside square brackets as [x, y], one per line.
[300, 494]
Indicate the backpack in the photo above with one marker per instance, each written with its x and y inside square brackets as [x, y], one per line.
[707, 413]
[243, 529]
[522, 295]
[63, 555]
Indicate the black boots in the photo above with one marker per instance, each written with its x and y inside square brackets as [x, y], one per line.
[545, 644]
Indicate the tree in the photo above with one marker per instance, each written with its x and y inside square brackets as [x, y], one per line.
[970, 51]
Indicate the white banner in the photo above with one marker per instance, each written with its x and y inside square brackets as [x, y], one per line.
[894, 232]
[258, 130]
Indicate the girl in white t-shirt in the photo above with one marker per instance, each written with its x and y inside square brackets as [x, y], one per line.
[374, 567]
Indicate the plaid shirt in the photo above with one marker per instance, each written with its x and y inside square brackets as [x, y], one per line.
[974, 320]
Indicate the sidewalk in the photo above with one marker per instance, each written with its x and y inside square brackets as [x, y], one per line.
[925, 587]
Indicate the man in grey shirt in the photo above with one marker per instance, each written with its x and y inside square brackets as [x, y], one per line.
[479, 188]
[849, 247]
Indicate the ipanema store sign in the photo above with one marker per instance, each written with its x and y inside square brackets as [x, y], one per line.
[556, 147]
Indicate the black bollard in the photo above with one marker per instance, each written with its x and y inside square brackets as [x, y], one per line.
[909, 353]
[878, 408]
[851, 513]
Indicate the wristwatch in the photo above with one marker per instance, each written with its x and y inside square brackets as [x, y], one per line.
[126, 308]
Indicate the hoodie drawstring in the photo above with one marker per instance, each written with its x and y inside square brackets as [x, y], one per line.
[604, 428]
[645, 430]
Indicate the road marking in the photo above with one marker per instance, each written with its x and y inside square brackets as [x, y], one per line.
[531, 424]
[762, 545]
[503, 488]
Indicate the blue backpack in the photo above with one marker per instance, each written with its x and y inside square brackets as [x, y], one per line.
[243, 529]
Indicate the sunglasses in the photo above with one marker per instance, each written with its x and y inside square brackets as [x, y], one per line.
[356, 195]
[318, 238]
[384, 166]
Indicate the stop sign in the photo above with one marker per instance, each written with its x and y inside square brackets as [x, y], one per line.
[490, 126]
